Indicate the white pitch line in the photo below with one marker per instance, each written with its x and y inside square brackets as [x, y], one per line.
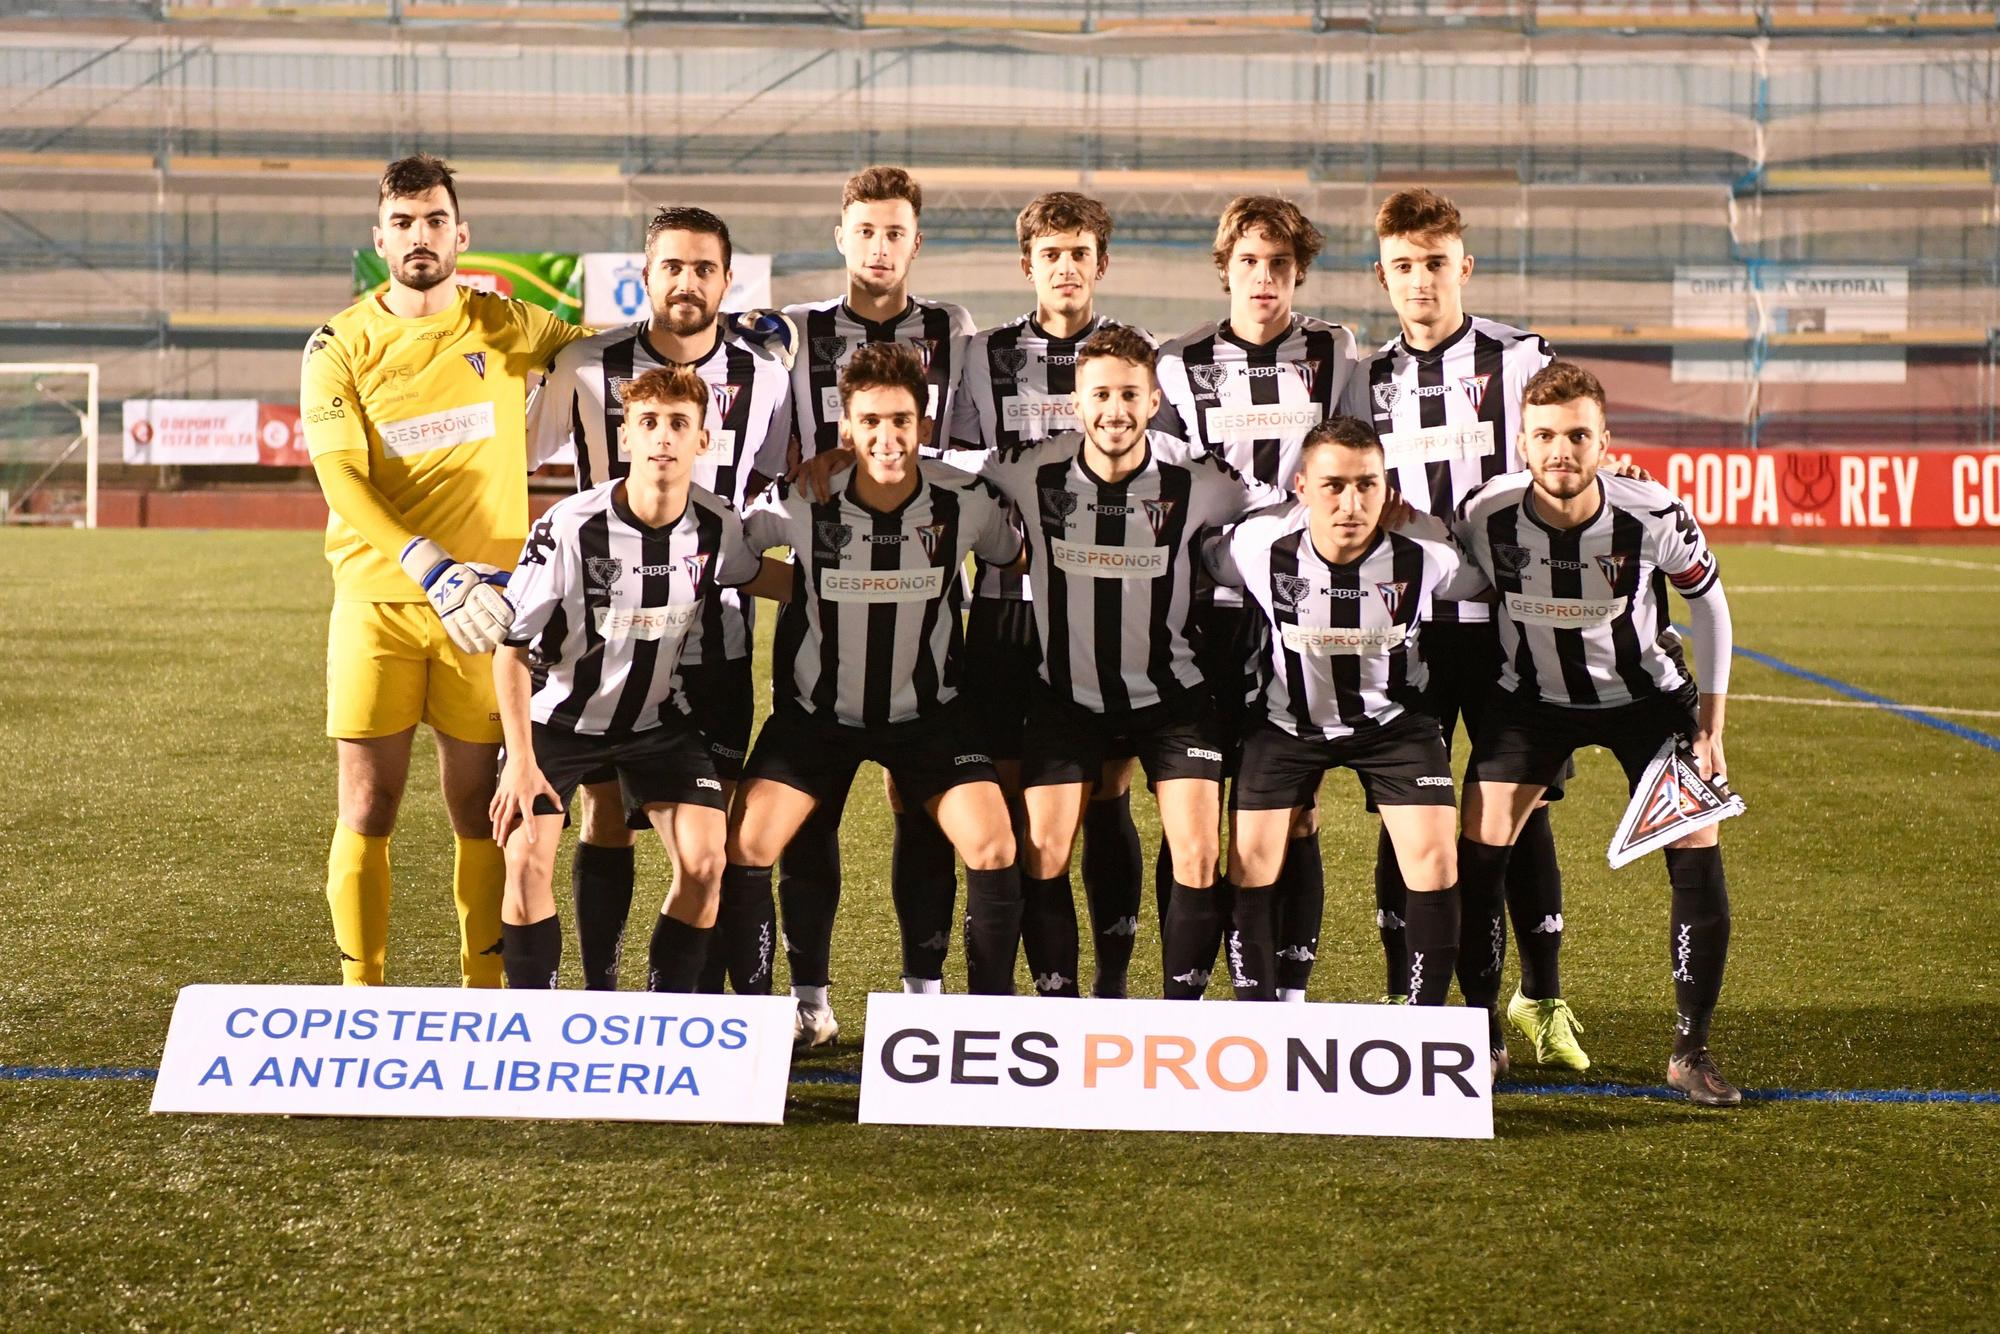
[1865, 704]
[1861, 588]
[1984, 567]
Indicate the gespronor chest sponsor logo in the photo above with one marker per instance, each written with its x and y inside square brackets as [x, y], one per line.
[1438, 444]
[438, 430]
[646, 622]
[1330, 641]
[1262, 421]
[1576, 613]
[1108, 562]
[881, 585]
[1028, 414]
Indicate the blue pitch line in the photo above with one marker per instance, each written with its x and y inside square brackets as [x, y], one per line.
[1959, 730]
[849, 1079]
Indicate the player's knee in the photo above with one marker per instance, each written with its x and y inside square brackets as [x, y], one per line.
[370, 811]
[702, 868]
[1046, 856]
[989, 850]
[1194, 859]
[602, 822]
[1430, 868]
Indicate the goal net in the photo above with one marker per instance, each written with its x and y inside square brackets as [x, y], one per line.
[48, 443]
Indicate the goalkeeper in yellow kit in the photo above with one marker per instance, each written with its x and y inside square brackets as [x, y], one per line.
[414, 405]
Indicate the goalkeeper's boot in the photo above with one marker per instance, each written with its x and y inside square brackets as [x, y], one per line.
[1697, 1075]
[1552, 1026]
[1392, 999]
[813, 1026]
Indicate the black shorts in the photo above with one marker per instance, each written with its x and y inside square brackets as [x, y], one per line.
[925, 756]
[666, 764]
[1529, 741]
[722, 702]
[1401, 763]
[1067, 743]
[1003, 659]
[1229, 649]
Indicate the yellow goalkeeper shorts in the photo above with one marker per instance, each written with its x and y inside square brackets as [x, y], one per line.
[390, 666]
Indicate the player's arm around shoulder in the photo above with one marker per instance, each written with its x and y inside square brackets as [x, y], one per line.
[542, 334]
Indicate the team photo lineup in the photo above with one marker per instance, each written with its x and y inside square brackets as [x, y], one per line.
[1016, 567]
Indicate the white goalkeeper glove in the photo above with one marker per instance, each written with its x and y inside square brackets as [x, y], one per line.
[467, 597]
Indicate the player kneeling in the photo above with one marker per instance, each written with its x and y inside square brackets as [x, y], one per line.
[866, 667]
[608, 592]
[1344, 598]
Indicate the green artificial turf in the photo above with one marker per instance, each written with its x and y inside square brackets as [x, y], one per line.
[167, 804]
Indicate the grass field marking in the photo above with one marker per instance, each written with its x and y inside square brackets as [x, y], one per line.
[1862, 704]
[1941, 562]
[1959, 730]
[1848, 590]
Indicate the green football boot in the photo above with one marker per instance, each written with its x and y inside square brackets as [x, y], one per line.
[1552, 1027]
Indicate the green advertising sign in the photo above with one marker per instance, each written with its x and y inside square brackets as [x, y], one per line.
[553, 282]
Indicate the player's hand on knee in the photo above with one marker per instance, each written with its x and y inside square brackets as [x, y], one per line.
[513, 801]
[467, 597]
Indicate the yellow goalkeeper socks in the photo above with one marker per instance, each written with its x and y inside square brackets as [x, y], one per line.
[478, 877]
[357, 890]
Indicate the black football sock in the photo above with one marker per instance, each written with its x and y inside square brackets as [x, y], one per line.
[1113, 863]
[712, 977]
[674, 958]
[1163, 891]
[1048, 934]
[1698, 941]
[1535, 902]
[809, 891]
[924, 888]
[1433, 926]
[1391, 908]
[1194, 923]
[531, 954]
[601, 881]
[747, 928]
[1301, 903]
[1482, 932]
[1251, 944]
[992, 929]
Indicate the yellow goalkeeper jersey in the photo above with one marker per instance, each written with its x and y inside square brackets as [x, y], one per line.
[440, 405]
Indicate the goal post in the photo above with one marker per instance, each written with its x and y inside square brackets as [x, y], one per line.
[48, 443]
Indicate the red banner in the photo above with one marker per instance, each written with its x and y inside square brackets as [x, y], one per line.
[1860, 490]
[280, 442]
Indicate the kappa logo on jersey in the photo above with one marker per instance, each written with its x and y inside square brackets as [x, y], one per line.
[1158, 513]
[832, 536]
[1207, 379]
[603, 571]
[1475, 388]
[476, 360]
[1059, 502]
[1613, 567]
[697, 565]
[1509, 559]
[725, 397]
[1392, 595]
[1386, 393]
[829, 349]
[932, 536]
[1007, 362]
[1287, 589]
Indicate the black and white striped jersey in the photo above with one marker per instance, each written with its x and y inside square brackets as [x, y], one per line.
[1253, 403]
[1114, 563]
[749, 430]
[830, 331]
[1343, 653]
[1583, 611]
[1016, 389]
[873, 631]
[1450, 417]
[605, 604]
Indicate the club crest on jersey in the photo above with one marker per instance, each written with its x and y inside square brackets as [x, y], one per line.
[1159, 513]
[1007, 362]
[696, 566]
[725, 397]
[602, 571]
[1308, 373]
[1287, 589]
[1392, 595]
[1614, 569]
[1474, 387]
[932, 536]
[829, 349]
[476, 360]
[1058, 502]
[1508, 559]
[1207, 379]
[614, 391]
[1386, 392]
[831, 536]
[926, 349]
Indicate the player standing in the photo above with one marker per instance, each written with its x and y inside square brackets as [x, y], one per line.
[878, 236]
[1249, 388]
[688, 261]
[1018, 388]
[1581, 560]
[1446, 397]
[414, 407]
[867, 662]
[613, 584]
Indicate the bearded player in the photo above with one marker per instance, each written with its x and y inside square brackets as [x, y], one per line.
[414, 405]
